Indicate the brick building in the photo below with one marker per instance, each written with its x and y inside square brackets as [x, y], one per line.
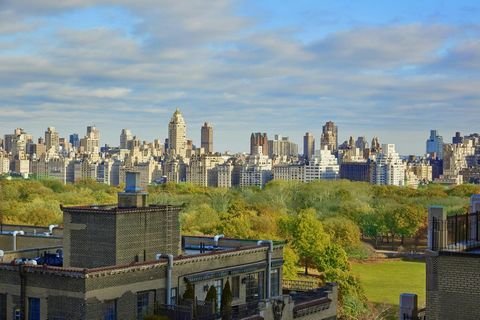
[129, 261]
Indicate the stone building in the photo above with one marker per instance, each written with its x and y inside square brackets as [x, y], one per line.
[129, 260]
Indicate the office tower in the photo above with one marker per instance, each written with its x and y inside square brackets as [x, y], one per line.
[388, 168]
[329, 137]
[177, 135]
[308, 146]
[125, 137]
[435, 145]
[74, 140]
[458, 138]
[282, 147]
[207, 138]
[8, 142]
[259, 140]
[361, 143]
[52, 139]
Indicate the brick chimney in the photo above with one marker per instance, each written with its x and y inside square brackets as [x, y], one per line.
[133, 196]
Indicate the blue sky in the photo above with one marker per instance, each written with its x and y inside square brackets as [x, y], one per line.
[392, 69]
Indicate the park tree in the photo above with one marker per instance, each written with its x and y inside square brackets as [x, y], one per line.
[307, 236]
[343, 231]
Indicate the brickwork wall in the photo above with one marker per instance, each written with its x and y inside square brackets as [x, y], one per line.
[28, 242]
[452, 286]
[89, 240]
[146, 233]
[66, 308]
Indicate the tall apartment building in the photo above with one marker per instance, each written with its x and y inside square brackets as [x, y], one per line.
[324, 166]
[388, 168]
[329, 137]
[259, 140]
[289, 172]
[207, 138]
[308, 146]
[455, 157]
[4, 163]
[282, 147]
[422, 170]
[90, 144]
[177, 135]
[435, 145]
[224, 174]
[201, 171]
[52, 139]
[257, 170]
[125, 137]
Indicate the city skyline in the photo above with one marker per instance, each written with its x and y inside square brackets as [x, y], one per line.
[190, 132]
[242, 66]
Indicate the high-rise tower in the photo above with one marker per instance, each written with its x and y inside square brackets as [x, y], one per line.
[207, 138]
[259, 140]
[52, 139]
[177, 135]
[435, 144]
[125, 136]
[329, 136]
[308, 146]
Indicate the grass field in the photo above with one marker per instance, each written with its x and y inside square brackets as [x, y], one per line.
[384, 281]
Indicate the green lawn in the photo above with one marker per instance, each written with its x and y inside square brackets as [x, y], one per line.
[384, 281]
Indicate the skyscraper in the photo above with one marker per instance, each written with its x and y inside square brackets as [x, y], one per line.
[259, 140]
[74, 140]
[91, 142]
[52, 139]
[308, 146]
[457, 138]
[375, 147]
[125, 136]
[177, 135]
[329, 137]
[388, 168]
[435, 144]
[282, 147]
[207, 138]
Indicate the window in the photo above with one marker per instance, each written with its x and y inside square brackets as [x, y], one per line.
[142, 304]
[275, 278]
[173, 296]
[17, 314]
[236, 287]
[261, 285]
[110, 307]
[33, 309]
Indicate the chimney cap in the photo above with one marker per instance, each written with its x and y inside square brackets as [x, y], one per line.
[132, 182]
